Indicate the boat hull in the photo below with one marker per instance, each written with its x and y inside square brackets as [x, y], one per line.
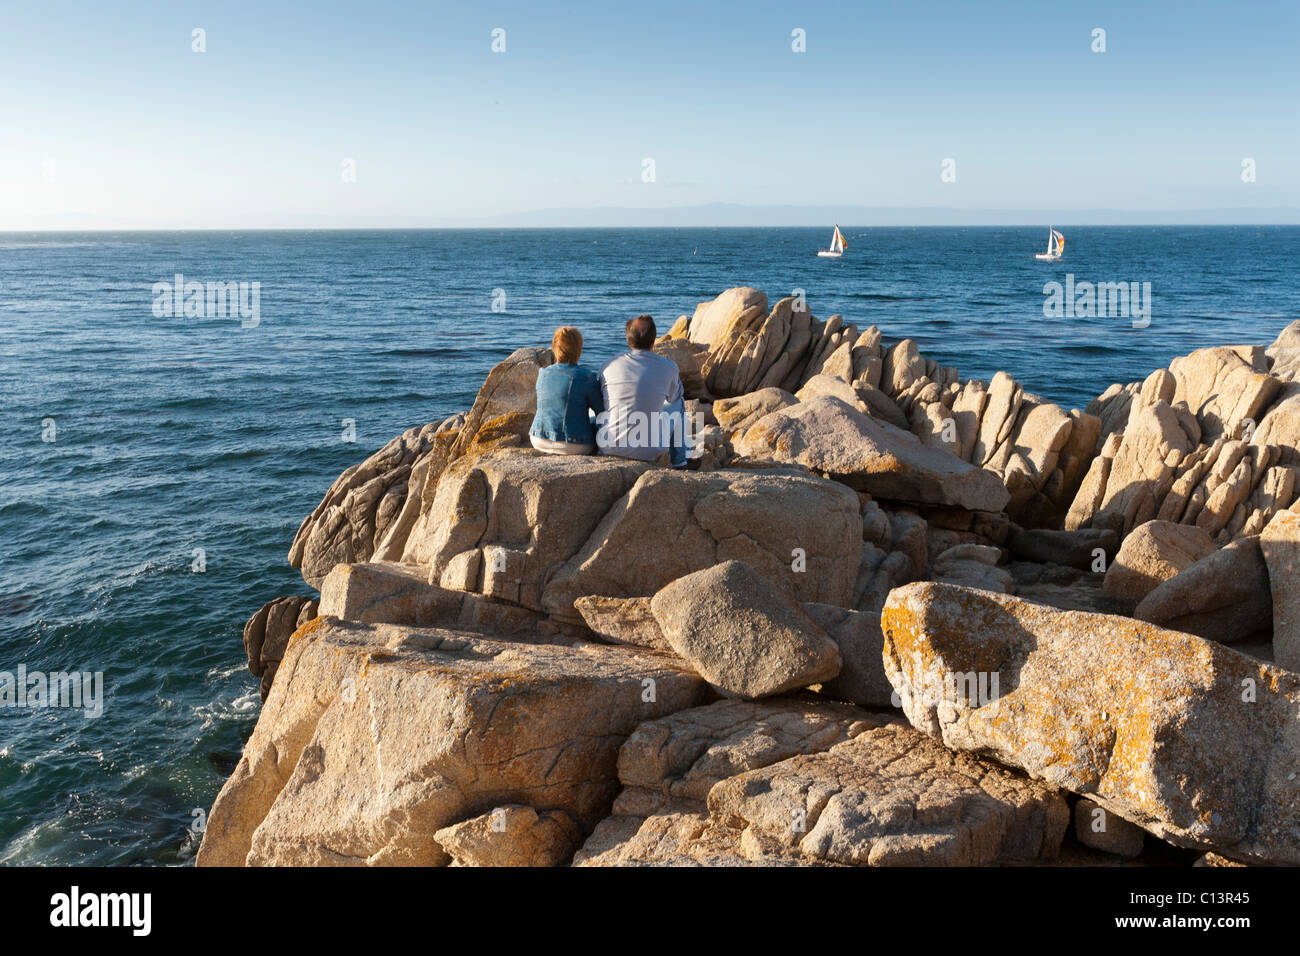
[829, 255]
[1047, 257]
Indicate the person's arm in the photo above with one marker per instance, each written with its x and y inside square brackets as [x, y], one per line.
[595, 395]
[675, 391]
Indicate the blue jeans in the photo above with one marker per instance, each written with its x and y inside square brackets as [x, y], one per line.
[676, 412]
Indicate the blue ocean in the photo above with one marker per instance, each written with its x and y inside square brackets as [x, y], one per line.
[156, 466]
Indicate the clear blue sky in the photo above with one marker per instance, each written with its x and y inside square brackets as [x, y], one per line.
[108, 117]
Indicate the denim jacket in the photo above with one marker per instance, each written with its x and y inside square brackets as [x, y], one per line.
[565, 393]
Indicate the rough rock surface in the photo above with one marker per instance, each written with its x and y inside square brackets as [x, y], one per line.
[359, 506]
[745, 637]
[386, 592]
[803, 534]
[675, 761]
[623, 621]
[861, 679]
[266, 635]
[1280, 547]
[1224, 597]
[1096, 827]
[1184, 737]
[1154, 553]
[785, 782]
[832, 437]
[512, 835]
[736, 414]
[893, 797]
[375, 737]
[503, 523]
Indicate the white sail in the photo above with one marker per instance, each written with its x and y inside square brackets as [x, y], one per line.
[1055, 247]
[837, 244]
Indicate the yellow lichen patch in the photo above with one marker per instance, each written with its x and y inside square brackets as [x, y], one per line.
[307, 629]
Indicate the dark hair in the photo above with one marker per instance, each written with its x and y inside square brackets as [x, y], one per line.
[640, 332]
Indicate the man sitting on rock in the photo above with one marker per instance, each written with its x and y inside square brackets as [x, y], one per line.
[645, 414]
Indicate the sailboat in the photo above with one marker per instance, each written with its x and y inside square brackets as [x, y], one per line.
[837, 245]
[1055, 247]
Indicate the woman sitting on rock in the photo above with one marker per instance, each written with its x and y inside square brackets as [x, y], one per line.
[566, 392]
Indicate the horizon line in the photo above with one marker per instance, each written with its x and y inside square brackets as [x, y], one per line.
[607, 228]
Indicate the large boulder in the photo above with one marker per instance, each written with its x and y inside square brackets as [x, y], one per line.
[1184, 737]
[803, 534]
[503, 523]
[1152, 554]
[376, 736]
[745, 637]
[1222, 597]
[1280, 547]
[830, 436]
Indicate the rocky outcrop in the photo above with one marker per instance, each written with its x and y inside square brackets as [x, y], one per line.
[831, 437]
[378, 736]
[362, 504]
[517, 658]
[1181, 736]
[788, 782]
[1234, 466]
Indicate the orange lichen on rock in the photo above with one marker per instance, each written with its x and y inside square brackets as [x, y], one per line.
[1180, 735]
